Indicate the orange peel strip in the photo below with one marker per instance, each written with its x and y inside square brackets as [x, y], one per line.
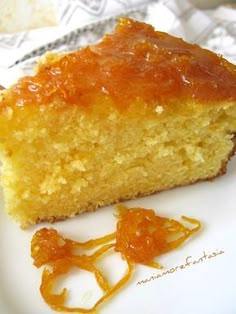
[140, 236]
[56, 301]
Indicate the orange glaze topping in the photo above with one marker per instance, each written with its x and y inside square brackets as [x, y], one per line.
[140, 236]
[134, 62]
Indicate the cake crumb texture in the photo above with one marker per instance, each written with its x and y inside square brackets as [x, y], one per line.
[59, 160]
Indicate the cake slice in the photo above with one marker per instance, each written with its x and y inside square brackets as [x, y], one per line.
[137, 113]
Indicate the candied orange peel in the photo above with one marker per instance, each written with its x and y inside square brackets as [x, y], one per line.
[140, 236]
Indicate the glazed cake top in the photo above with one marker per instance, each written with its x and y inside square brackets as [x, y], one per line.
[135, 62]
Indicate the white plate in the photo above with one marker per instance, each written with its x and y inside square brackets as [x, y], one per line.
[206, 287]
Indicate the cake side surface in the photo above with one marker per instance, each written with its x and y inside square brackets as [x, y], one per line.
[60, 163]
[103, 125]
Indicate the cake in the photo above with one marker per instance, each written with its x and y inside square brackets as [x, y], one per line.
[138, 113]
